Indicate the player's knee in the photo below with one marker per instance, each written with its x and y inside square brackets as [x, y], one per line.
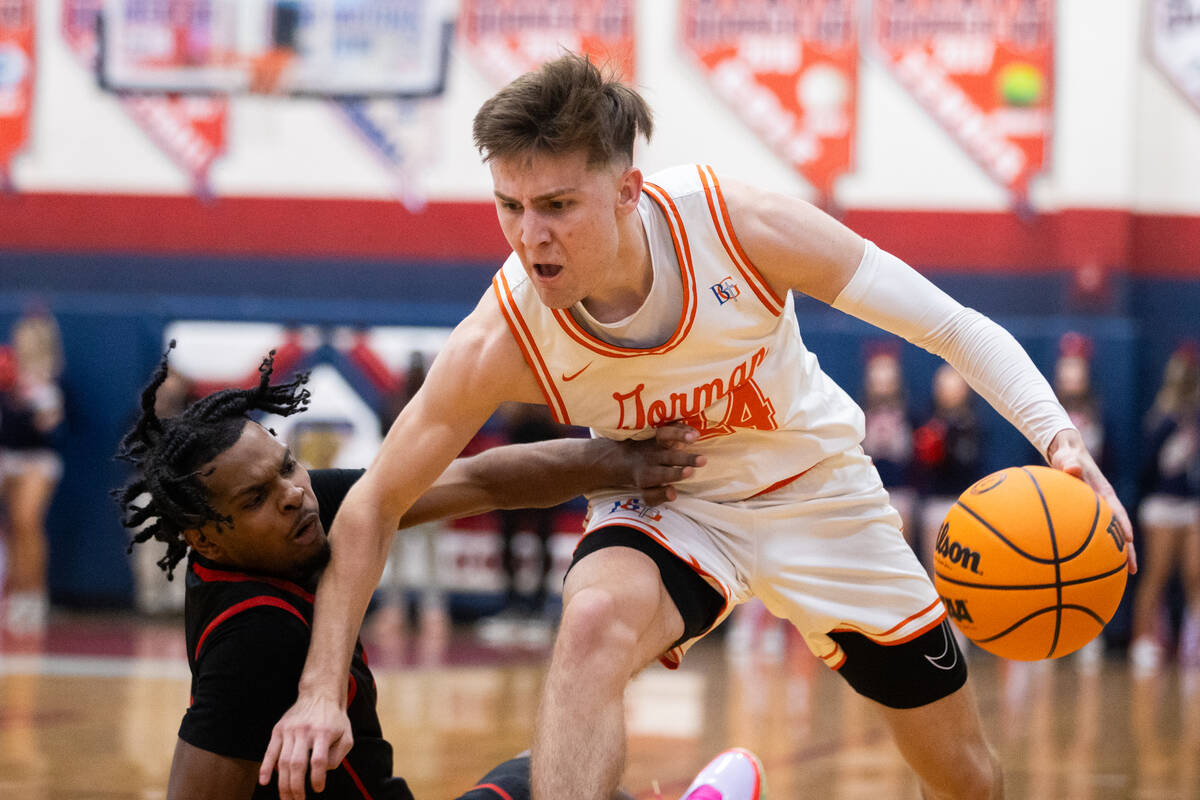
[975, 774]
[593, 625]
[989, 776]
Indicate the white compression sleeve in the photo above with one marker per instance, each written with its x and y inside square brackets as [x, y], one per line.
[891, 295]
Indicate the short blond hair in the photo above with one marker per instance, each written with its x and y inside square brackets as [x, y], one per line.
[568, 105]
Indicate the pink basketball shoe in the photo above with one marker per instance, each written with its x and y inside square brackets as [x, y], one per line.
[735, 774]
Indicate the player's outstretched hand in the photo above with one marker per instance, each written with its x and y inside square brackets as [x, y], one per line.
[316, 725]
[655, 464]
[1068, 453]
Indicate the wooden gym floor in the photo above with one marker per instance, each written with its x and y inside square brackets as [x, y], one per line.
[91, 710]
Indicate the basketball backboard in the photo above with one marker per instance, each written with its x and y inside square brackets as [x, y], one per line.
[327, 48]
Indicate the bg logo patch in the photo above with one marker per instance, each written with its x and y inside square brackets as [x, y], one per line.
[637, 506]
[726, 290]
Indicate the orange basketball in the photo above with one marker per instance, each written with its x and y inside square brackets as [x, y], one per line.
[1030, 563]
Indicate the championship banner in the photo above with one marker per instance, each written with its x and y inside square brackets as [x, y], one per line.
[984, 69]
[16, 79]
[789, 69]
[1175, 44]
[190, 130]
[508, 38]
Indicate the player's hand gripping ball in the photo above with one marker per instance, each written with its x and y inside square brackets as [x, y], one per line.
[1030, 563]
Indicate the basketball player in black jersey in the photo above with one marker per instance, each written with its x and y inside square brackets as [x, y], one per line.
[250, 521]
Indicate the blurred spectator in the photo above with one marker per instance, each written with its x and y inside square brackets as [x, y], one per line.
[889, 430]
[947, 454]
[524, 612]
[1170, 512]
[390, 617]
[31, 409]
[1073, 386]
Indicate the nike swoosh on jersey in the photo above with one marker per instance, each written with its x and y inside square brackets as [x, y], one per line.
[939, 660]
[575, 375]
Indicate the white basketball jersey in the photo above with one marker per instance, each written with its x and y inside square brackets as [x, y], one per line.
[734, 366]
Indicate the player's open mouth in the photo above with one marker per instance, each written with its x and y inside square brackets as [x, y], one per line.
[307, 523]
[547, 270]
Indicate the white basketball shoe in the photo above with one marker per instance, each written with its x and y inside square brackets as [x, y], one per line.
[735, 774]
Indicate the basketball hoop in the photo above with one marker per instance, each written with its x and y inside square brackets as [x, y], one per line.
[319, 48]
[267, 71]
[377, 61]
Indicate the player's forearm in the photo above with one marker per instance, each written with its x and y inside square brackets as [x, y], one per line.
[547, 473]
[998, 368]
[889, 294]
[534, 475]
[360, 538]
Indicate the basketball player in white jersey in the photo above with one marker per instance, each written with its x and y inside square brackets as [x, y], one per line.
[630, 302]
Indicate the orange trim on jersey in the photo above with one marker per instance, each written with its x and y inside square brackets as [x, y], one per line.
[733, 248]
[525, 341]
[778, 485]
[209, 575]
[836, 653]
[492, 787]
[878, 637]
[649, 530]
[683, 254]
[658, 536]
[237, 608]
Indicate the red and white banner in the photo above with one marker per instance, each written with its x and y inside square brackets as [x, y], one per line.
[984, 69]
[16, 79]
[507, 38]
[1175, 44]
[789, 68]
[190, 130]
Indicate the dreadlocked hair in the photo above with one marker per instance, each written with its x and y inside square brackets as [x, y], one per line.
[170, 455]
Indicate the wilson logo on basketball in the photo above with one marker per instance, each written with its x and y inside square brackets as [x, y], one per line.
[957, 609]
[954, 552]
[1114, 531]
